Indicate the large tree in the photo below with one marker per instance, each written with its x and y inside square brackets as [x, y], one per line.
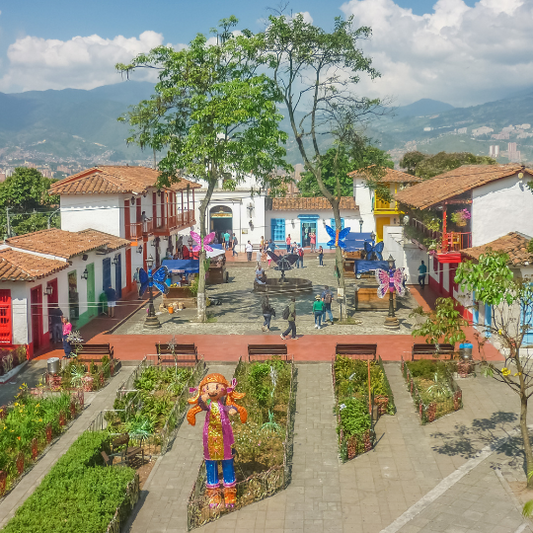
[427, 165]
[24, 195]
[213, 116]
[317, 73]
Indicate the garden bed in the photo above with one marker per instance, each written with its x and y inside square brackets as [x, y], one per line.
[355, 408]
[263, 445]
[28, 426]
[11, 361]
[151, 404]
[79, 494]
[87, 376]
[432, 388]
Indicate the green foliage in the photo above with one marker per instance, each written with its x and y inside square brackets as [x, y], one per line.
[443, 324]
[355, 417]
[426, 368]
[78, 495]
[427, 166]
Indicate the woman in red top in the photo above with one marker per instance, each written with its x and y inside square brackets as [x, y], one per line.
[67, 328]
[312, 239]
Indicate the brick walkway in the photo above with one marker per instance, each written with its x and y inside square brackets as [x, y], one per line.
[98, 401]
[389, 489]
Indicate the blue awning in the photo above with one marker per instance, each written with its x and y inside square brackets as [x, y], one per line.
[188, 266]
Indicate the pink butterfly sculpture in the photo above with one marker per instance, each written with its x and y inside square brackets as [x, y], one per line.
[207, 239]
[390, 281]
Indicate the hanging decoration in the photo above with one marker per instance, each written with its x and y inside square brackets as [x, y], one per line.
[157, 279]
[207, 239]
[374, 250]
[390, 281]
[218, 397]
[337, 237]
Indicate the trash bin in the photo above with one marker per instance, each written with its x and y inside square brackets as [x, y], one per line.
[465, 350]
[53, 365]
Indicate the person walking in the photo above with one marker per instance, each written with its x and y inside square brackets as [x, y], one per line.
[291, 317]
[312, 240]
[234, 243]
[262, 243]
[226, 240]
[271, 246]
[320, 256]
[111, 296]
[318, 310]
[288, 243]
[300, 261]
[327, 298]
[422, 270]
[67, 328]
[56, 324]
[268, 312]
[249, 251]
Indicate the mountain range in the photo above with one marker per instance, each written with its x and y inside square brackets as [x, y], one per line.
[82, 125]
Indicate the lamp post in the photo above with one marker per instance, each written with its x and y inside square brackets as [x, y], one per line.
[151, 320]
[391, 322]
[360, 225]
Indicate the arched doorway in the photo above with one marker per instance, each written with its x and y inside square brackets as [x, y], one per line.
[221, 219]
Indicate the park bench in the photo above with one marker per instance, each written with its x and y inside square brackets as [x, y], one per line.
[120, 448]
[429, 351]
[357, 351]
[262, 352]
[88, 352]
[184, 354]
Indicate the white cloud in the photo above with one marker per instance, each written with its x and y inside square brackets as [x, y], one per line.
[80, 63]
[458, 54]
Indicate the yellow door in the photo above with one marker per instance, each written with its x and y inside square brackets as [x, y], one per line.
[380, 222]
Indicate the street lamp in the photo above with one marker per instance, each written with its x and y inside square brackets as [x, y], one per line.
[391, 322]
[151, 320]
[360, 225]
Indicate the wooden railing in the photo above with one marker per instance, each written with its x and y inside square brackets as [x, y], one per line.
[448, 242]
[162, 226]
[138, 229]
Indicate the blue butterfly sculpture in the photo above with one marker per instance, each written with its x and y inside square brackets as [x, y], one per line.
[337, 237]
[375, 249]
[158, 279]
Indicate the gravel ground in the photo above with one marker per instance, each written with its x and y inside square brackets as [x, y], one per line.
[239, 311]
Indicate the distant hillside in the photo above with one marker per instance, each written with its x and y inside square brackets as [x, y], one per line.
[422, 107]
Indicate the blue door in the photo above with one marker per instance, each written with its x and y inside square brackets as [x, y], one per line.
[106, 273]
[475, 311]
[118, 276]
[488, 319]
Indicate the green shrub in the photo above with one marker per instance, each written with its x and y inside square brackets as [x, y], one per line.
[78, 495]
[355, 417]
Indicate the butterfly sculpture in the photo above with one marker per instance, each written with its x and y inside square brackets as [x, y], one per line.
[390, 281]
[376, 249]
[156, 279]
[207, 239]
[337, 237]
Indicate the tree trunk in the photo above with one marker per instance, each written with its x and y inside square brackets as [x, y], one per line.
[525, 439]
[339, 263]
[200, 298]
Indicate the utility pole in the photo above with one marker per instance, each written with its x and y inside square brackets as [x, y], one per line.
[8, 223]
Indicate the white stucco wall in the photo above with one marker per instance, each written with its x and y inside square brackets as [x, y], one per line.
[501, 207]
[100, 212]
[364, 200]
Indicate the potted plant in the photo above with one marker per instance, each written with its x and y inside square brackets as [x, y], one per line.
[461, 217]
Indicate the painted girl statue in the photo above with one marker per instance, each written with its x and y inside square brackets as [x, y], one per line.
[216, 396]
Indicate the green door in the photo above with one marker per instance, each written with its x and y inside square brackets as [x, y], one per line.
[91, 299]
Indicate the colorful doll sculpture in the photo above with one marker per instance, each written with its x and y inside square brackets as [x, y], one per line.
[216, 396]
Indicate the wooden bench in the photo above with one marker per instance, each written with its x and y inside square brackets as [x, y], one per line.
[263, 352]
[184, 354]
[120, 448]
[429, 351]
[88, 352]
[357, 351]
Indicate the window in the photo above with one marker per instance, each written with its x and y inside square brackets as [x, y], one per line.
[277, 229]
[332, 223]
[527, 319]
[5, 316]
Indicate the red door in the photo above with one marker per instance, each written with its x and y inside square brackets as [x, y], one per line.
[53, 299]
[129, 280]
[6, 324]
[37, 317]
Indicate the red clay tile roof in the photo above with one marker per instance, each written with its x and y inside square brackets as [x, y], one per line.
[21, 266]
[309, 204]
[455, 182]
[391, 176]
[66, 244]
[114, 180]
[514, 244]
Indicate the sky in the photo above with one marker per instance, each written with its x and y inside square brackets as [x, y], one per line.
[462, 52]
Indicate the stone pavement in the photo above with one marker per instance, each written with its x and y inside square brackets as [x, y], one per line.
[418, 478]
[97, 402]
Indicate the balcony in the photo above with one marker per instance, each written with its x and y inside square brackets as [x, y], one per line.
[165, 225]
[138, 230]
[385, 207]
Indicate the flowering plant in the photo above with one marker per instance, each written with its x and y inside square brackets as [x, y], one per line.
[460, 217]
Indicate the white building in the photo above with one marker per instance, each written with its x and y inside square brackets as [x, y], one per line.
[52, 268]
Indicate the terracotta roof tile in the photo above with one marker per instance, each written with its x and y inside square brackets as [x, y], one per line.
[66, 244]
[514, 244]
[309, 204]
[21, 266]
[455, 182]
[114, 180]
[391, 176]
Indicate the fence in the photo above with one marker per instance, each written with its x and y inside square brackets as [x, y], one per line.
[257, 486]
[126, 507]
[441, 406]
